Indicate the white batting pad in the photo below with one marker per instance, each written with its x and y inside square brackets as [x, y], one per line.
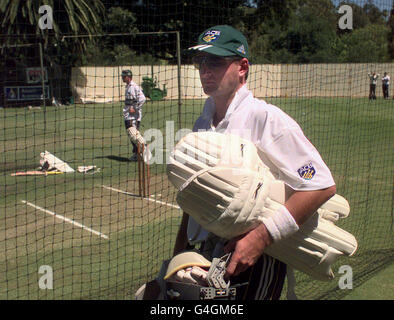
[136, 137]
[225, 187]
[54, 162]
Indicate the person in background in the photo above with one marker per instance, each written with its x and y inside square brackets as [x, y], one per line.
[386, 86]
[373, 79]
[132, 110]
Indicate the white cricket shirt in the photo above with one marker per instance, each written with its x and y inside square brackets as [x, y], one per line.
[282, 144]
[373, 78]
[133, 97]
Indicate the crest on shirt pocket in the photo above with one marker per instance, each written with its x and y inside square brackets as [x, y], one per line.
[307, 172]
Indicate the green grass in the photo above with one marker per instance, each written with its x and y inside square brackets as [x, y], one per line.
[380, 287]
[354, 136]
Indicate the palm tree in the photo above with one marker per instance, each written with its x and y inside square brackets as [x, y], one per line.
[19, 20]
[20, 34]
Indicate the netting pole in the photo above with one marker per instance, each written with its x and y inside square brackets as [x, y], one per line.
[178, 52]
[43, 85]
[119, 77]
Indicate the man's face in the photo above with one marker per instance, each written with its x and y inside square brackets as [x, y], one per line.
[220, 76]
[126, 79]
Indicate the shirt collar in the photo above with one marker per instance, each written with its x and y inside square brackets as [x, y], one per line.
[240, 95]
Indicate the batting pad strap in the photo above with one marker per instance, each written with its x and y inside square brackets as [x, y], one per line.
[281, 224]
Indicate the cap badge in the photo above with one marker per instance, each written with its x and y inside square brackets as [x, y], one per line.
[241, 49]
[211, 35]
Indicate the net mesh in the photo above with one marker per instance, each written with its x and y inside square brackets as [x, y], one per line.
[90, 235]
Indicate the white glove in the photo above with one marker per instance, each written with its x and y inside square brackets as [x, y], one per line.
[193, 275]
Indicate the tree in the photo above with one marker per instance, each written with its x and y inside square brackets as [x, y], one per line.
[368, 44]
[309, 36]
[20, 20]
[20, 25]
[107, 50]
[375, 16]
[390, 36]
[190, 17]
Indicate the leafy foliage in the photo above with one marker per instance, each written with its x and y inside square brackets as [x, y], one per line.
[20, 20]
[279, 31]
[365, 44]
[390, 37]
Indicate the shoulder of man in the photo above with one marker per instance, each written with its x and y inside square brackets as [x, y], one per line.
[262, 109]
[137, 87]
[274, 119]
[134, 87]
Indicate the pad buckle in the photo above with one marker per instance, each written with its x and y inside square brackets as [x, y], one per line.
[209, 293]
[215, 277]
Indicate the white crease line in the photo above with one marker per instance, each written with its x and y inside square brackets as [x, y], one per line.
[66, 220]
[149, 199]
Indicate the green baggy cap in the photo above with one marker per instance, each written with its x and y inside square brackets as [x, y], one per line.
[223, 41]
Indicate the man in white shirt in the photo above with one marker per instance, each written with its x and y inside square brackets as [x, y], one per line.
[132, 110]
[221, 57]
[373, 79]
[385, 86]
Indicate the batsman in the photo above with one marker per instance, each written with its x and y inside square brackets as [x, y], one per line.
[132, 110]
[255, 193]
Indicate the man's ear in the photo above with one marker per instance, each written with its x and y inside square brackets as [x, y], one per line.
[244, 68]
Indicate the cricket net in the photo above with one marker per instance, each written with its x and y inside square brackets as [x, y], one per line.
[88, 233]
